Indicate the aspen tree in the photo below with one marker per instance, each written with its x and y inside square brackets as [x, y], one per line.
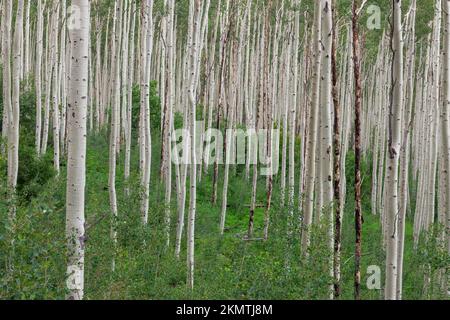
[405, 149]
[393, 152]
[446, 114]
[146, 120]
[115, 122]
[231, 119]
[287, 104]
[220, 111]
[445, 216]
[98, 80]
[168, 118]
[308, 205]
[162, 72]
[55, 87]
[325, 113]
[228, 159]
[26, 52]
[6, 65]
[76, 157]
[14, 112]
[105, 85]
[142, 103]
[305, 115]
[293, 111]
[435, 98]
[63, 77]
[147, 37]
[379, 116]
[48, 74]
[326, 157]
[258, 125]
[247, 91]
[194, 57]
[358, 213]
[212, 77]
[336, 160]
[186, 140]
[124, 69]
[195, 20]
[267, 106]
[129, 115]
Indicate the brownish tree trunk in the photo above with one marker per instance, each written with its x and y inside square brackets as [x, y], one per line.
[337, 162]
[358, 216]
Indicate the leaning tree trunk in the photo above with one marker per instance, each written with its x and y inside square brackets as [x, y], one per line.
[76, 158]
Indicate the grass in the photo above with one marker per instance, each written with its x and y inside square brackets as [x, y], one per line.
[226, 266]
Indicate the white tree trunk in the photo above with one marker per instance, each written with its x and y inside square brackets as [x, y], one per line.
[196, 19]
[38, 74]
[308, 205]
[393, 154]
[6, 65]
[76, 170]
[131, 61]
[446, 119]
[55, 87]
[26, 55]
[63, 77]
[147, 38]
[13, 116]
[115, 122]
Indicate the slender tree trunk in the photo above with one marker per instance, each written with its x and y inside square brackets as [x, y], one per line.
[26, 54]
[55, 87]
[13, 117]
[293, 116]
[394, 152]
[129, 113]
[146, 54]
[405, 149]
[358, 213]
[63, 77]
[336, 161]
[38, 74]
[76, 163]
[194, 56]
[115, 104]
[308, 205]
[6, 65]
[446, 123]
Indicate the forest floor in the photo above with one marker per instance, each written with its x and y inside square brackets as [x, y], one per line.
[227, 267]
